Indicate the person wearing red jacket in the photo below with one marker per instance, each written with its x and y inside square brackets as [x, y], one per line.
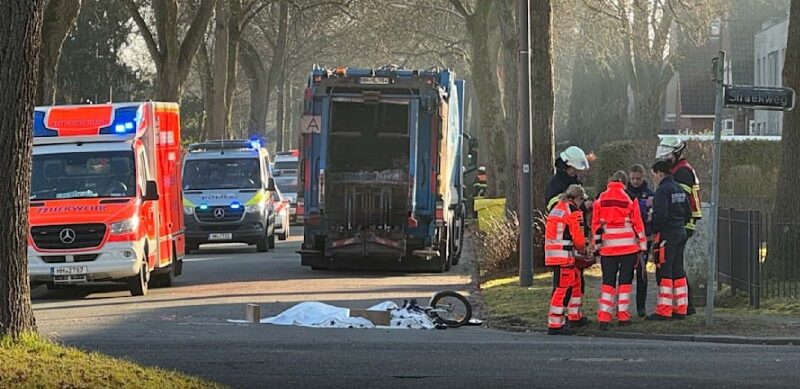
[563, 239]
[619, 239]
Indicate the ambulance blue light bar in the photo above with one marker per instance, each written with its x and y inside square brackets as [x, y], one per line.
[87, 123]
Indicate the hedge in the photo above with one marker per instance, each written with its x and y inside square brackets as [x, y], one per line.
[748, 177]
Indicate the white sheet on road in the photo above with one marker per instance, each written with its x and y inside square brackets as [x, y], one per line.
[321, 315]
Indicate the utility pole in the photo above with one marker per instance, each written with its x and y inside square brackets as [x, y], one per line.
[524, 147]
[719, 79]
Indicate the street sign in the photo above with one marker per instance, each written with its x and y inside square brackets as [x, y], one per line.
[310, 124]
[759, 97]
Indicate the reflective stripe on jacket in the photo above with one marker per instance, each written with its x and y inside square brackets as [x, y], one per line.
[617, 223]
[563, 234]
[686, 177]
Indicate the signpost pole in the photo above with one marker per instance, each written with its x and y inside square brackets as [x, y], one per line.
[719, 78]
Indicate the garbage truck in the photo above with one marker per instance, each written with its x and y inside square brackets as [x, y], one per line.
[381, 169]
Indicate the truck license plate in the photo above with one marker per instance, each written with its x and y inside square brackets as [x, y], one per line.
[68, 270]
[227, 236]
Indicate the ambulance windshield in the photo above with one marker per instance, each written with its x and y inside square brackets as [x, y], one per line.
[83, 175]
[234, 173]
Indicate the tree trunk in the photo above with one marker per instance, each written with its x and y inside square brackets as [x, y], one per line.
[785, 231]
[172, 57]
[487, 92]
[510, 57]
[206, 75]
[280, 116]
[59, 17]
[19, 44]
[648, 93]
[218, 114]
[259, 94]
[542, 107]
[278, 54]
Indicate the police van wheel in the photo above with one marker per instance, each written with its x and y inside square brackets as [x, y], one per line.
[262, 246]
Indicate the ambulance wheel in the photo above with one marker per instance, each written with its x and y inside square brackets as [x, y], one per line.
[271, 240]
[166, 278]
[138, 283]
[262, 246]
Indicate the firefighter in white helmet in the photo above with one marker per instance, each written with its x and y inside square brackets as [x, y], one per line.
[671, 149]
[568, 164]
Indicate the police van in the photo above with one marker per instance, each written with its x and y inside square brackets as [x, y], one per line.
[227, 194]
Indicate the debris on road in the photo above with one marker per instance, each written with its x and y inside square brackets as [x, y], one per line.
[320, 315]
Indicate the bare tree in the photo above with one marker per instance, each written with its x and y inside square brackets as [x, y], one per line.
[653, 33]
[785, 230]
[479, 24]
[20, 44]
[59, 18]
[171, 54]
[542, 108]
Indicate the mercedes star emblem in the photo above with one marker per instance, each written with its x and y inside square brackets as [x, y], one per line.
[219, 213]
[67, 236]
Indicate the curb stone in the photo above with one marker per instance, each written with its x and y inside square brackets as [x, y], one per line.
[725, 339]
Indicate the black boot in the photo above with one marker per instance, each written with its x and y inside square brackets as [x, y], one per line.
[561, 331]
[580, 323]
[657, 317]
[641, 312]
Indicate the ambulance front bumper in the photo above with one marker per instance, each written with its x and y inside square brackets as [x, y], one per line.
[112, 261]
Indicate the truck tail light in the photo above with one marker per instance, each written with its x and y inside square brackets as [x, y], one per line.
[439, 214]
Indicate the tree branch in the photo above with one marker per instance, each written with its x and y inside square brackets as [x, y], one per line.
[195, 34]
[460, 8]
[149, 40]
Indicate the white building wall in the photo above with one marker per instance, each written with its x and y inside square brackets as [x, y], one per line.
[769, 52]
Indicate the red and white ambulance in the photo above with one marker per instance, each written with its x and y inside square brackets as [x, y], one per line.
[106, 201]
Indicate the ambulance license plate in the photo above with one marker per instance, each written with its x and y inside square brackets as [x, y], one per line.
[226, 236]
[68, 270]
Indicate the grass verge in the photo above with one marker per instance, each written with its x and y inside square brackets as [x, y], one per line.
[31, 361]
[506, 303]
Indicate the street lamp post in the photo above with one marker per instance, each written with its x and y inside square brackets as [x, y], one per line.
[524, 148]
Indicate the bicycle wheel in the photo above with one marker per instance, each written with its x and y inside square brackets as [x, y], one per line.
[451, 307]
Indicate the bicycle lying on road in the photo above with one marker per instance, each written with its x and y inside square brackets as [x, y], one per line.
[447, 309]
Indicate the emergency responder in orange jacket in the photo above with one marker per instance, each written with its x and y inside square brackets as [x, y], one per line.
[563, 238]
[671, 149]
[619, 238]
[671, 211]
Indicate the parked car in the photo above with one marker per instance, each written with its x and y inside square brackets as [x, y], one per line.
[282, 216]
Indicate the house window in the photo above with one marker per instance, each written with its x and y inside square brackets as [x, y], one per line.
[773, 68]
[758, 72]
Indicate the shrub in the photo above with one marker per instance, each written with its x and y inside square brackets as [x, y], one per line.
[748, 176]
[497, 246]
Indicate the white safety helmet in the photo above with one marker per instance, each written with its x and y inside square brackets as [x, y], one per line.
[669, 145]
[575, 157]
[482, 169]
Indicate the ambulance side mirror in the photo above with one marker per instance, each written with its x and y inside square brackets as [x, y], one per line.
[271, 184]
[150, 191]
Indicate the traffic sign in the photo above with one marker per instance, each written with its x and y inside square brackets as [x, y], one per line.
[759, 97]
[310, 124]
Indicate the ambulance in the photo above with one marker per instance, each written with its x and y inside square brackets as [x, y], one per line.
[105, 201]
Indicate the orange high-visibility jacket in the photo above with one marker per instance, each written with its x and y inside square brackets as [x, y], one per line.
[617, 223]
[563, 234]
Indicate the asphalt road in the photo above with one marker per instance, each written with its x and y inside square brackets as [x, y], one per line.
[185, 328]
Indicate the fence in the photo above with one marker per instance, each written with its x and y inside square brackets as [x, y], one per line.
[745, 261]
